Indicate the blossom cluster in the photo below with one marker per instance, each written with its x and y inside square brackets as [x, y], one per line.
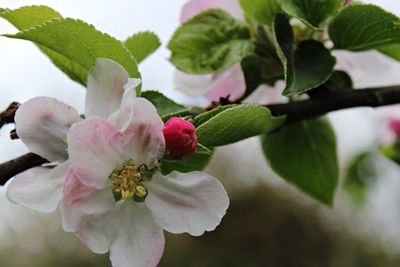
[104, 170]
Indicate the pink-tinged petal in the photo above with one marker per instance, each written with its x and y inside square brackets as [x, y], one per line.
[191, 84]
[141, 130]
[105, 88]
[80, 201]
[194, 7]
[137, 240]
[38, 188]
[230, 82]
[42, 124]
[94, 151]
[192, 202]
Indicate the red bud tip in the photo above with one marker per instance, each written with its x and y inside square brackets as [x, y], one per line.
[180, 137]
[394, 126]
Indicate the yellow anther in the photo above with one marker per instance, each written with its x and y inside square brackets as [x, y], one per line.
[140, 191]
[128, 183]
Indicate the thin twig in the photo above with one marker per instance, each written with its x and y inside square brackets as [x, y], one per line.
[8, 115]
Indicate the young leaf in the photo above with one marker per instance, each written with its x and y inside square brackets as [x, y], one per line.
[361, 27]
[142, 45]
[209, 42]
[203, 117]
[80, 43]
[260, 10]
[392, 51]
[163, 104]
[196, 162]
[311, 12]
[304, 154]
[30, 16]
[306, 66]
[237, 123]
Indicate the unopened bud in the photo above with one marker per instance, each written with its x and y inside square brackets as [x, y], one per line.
[180, 137]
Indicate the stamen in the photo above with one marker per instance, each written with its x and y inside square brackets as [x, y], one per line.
[128, 183]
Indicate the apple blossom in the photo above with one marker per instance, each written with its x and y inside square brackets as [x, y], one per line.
[116, 199]
[229, 82]
[42, 124]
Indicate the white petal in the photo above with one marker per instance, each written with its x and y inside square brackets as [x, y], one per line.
[42, 124]
[191, 84]
[105, 88]
[141, 131]
[229, 82]
[93, 148]
[194, 7]
[192, 202]
[38, 188]
[80, 201]
[137, 240]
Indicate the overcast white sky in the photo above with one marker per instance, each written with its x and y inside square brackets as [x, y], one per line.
[26, 73]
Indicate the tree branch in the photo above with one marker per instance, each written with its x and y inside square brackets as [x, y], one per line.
[370, 97]
[8, 115]
[15, 166]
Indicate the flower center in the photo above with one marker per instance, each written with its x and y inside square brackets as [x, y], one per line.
[128, 183]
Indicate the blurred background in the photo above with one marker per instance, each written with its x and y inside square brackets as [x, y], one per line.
[269, 222]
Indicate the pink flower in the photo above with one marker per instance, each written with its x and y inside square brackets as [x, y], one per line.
[180, 137]
[394, 126]
[42, 124]
[116, 199]
[229, 82]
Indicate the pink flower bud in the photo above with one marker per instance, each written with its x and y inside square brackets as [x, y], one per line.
[346, 2]
[180, 137]
[394, 126]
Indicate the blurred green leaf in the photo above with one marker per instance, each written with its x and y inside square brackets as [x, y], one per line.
[196, 162]
[142, 45]
[307, 65]
[392, 152]
[163, 104]
[311, 12]
[79, 43]
[392, 51]
[260, 10]
[209, 42]
[304, 154]
[360, 27]
[237, 123]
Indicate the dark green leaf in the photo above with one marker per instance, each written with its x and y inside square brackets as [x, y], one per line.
[142, 45]
[163, 104]
[195, 162]
[361, 27]
[304, 154]
[311, 12]
[209, 42]
[235, 124]
[80, 43]
[260, 10]
[307, 66]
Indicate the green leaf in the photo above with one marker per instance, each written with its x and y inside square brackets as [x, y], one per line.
[361, 27]
[361, 172]
[203, 117]
[307, 65]
[304, 154]
[237, 123]
[163, 104]
[209, 42]
[30, 16]
[311, 12]
[196, 162]
[260, 10]
[80, 43]
[142, 45]
[392, 51]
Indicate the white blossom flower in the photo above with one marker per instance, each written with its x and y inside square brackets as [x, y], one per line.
[116, 199]
[42, 124]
